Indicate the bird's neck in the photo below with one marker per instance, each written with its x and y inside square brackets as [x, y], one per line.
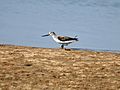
[54, 36]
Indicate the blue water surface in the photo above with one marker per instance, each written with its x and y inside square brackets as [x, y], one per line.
[96, 22]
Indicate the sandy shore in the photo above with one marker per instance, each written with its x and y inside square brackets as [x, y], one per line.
[28, 68]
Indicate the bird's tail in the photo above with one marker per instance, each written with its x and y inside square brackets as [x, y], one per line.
[76, 38]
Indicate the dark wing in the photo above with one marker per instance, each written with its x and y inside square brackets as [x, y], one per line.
[65, 38]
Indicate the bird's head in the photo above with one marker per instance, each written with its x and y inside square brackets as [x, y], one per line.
[52, 33]
[49, 34]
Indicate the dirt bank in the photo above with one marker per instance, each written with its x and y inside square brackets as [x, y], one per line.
[28, 68]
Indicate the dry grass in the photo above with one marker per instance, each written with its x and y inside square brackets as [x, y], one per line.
[27, 68]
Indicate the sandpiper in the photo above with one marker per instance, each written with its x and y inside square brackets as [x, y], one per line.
[63, 40]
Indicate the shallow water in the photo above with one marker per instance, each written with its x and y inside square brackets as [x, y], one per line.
[96, 22]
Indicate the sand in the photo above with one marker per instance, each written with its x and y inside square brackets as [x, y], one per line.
[32, 68]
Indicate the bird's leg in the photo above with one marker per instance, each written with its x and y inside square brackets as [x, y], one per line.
[62, 46]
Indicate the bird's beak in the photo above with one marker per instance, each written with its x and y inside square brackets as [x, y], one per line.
[45, 35]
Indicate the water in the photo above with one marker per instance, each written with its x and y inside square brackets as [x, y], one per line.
[96, 22]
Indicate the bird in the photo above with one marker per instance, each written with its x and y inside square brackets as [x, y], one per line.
[63, 40]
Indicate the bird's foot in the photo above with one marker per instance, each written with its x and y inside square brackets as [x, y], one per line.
[62, 46]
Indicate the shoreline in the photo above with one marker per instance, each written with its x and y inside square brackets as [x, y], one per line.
[84, 49]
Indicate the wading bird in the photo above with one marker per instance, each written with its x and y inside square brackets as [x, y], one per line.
[63, 40]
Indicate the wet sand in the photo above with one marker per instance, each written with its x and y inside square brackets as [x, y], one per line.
[32, 68]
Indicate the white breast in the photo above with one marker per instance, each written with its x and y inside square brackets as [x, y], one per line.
[61, 42]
